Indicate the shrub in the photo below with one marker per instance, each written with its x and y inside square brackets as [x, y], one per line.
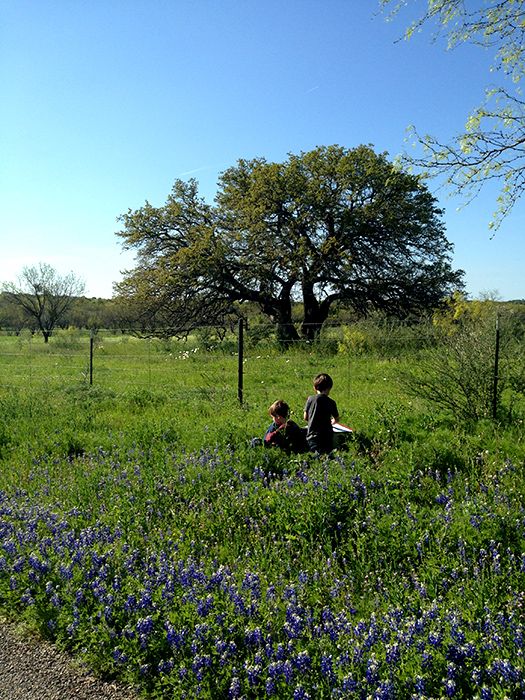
[458, 373]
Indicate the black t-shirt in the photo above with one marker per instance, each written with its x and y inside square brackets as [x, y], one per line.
[320, 409]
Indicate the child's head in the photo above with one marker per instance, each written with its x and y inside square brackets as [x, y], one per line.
[323, 383]
[279, 411]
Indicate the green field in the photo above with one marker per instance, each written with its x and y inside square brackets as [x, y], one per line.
[141, 531]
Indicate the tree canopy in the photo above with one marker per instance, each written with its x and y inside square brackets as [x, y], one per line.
[328, 226]
[43, 295]
[492, 146]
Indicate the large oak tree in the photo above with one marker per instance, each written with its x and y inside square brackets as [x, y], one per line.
[327, 226]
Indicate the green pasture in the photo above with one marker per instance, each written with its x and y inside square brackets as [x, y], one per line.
[148, 389]
[141, 530]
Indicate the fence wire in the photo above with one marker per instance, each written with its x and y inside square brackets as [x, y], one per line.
[210, 363]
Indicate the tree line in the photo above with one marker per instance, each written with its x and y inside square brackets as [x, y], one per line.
[84, 312]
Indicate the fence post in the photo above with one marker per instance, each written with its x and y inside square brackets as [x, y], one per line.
[91, 345]
[496, 371]
[240, 343]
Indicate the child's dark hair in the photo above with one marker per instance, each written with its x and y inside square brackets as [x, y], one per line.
[323, 382]
[279, 408]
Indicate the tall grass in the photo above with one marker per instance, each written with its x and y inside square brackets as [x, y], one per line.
[141, 530]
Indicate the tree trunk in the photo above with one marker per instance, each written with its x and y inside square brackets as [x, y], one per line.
[280, 313]
[314, 315]
[286, 333]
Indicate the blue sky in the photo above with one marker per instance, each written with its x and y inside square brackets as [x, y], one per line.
[104, 104]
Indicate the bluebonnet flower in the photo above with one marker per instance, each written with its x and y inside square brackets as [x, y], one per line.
[220, 645]
[393, 654]
[270, 687]
[199, 664]
[349, 684]
[201, 631]
[235, 688]
[327, 666]
[270, 592]
[9, 547]
[385, 691]
[145, 626]
[253, 637]
[450, 688]
[503, 669]
[451, 670]
[165, 666]
[118, 656]
[435, 638]
[253, 673]
[293, 625]
[275, 669]
[426, 659]
[475, 521]
[303, 577]
[40, 566]
[442, 499]
[175, 638]
[287, 671]
[302, 661]
[66, 572]
[205, 606]
[19, 565]
[371, 673]
[51, 625]
[26, 598]
[419, 685]
[130, 604]
[280, 653]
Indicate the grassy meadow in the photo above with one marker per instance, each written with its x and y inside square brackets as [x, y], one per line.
[141, 530]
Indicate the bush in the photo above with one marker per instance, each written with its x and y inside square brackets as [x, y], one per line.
[385, 337]
[458, 372]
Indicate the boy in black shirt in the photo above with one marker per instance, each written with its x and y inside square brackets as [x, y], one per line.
[320, 412]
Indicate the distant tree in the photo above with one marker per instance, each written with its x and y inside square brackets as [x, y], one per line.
[93, 313]
[12, 316]
[324, 227]
[44, 295]
[492, 146]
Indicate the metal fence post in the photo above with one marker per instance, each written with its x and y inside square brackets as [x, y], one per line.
[240, 343]
[91, 345]
[496, 372]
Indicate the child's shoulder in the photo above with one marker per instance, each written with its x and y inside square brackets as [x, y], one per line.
[291, 424]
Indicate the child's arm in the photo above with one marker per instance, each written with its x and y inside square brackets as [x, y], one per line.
[272, 435]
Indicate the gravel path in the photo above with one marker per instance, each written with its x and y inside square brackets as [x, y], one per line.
[32, 669]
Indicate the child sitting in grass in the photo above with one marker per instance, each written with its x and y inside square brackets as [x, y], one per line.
[321, 412]
[284, 433]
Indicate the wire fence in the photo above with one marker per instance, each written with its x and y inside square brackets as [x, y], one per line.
[243, 363]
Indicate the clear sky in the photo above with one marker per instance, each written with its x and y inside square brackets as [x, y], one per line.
[104, 103]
